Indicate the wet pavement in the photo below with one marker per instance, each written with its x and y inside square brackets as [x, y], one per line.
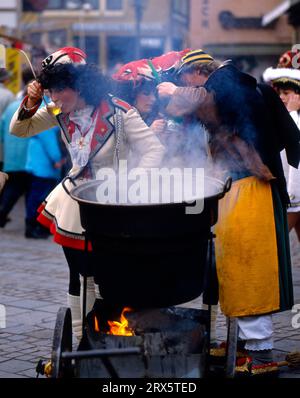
[33, 285]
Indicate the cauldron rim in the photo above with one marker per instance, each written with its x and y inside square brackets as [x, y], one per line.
[219, 195]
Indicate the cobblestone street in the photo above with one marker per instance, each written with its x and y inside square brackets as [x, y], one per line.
[33, 285]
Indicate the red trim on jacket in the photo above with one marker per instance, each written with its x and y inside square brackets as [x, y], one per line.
[25, 113]
[121, 104]
[58, 237]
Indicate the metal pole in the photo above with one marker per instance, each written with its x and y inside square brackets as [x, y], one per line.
[86, 251]
[84, 10]
[81, 32]
[138, 17]
[100, 353]
[232, 336]
[19, 12]
[210, 259]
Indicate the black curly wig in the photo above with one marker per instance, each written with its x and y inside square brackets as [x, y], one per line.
[87, 80]
[129, 90]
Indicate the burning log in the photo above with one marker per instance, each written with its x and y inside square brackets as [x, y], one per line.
[117, 328]
[121, 328]
[172, 342]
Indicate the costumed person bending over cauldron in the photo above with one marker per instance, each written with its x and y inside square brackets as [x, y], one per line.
[136, 83]
[247, 125]
[87, 119]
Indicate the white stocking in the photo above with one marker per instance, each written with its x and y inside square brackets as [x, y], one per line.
[74, 304]
[90, 293]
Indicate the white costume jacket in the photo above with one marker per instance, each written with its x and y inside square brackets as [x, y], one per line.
[292, 175]
[59, 212]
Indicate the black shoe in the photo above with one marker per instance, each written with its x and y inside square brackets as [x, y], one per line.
[4, 221]
[36, 234]
[261, 357]
[263, 365]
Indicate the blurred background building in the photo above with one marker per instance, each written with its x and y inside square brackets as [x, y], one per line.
[252, 33]
[240, 31]
[110, 31]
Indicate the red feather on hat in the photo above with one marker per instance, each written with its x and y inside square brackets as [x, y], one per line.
[135, 70]
[75, 54]
[65, 55]
[140, 69]
[169, 60]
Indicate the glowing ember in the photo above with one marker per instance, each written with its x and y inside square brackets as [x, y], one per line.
[121, 328]
[97, 329]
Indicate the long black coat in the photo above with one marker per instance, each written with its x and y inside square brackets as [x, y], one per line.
[248, 124]
[257, 115]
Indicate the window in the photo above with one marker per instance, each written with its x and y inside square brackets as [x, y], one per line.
[35, 38]
[151, 46]
[120, 49]
[72, 4]
[177, 43]
[57, 38]
[114, 5]
[181, 7]
[91, 47]
[34, 6]
[55, 4]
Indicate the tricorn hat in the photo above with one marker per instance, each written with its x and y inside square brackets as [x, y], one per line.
[65, 55]
[285, 75]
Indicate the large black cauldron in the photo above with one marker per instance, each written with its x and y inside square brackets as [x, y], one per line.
[151, 255]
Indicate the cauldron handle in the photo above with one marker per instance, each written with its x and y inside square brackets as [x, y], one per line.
[64, 185]
[227, 185]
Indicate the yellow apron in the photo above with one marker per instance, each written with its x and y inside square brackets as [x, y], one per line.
[246, 250]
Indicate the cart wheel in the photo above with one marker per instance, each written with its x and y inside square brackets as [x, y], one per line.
[62, 342]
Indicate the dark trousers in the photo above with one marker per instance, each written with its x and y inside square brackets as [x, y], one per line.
[39, 190]
[79, 262]
[211, 285]
[18, 184]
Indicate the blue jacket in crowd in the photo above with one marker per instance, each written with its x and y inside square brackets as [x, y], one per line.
[43, 152]
[14, 148]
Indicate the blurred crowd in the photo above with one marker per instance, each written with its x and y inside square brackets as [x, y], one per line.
[33, 165]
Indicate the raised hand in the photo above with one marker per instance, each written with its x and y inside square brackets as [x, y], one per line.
[35, 93]
[293, 102]
[166, 89]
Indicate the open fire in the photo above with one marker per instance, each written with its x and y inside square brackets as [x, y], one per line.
[118, 328]
[145, 343]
